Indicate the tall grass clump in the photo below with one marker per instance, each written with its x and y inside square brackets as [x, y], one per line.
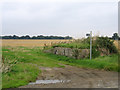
[20, 74]
[73, 44]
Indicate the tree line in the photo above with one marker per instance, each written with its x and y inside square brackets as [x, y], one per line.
[114, 37]
[34, 37]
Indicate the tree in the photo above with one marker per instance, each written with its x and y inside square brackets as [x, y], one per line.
[27, 37]
[15, 37]
[115, 36]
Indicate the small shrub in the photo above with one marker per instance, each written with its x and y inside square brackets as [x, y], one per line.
[105, 42]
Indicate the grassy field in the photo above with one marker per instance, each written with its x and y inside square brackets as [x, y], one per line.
[30, 58]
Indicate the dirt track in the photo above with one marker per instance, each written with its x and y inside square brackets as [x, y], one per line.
[79, 78]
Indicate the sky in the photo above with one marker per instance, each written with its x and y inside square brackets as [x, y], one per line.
[62, 18]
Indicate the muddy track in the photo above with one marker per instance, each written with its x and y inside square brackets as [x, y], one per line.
[78, 78]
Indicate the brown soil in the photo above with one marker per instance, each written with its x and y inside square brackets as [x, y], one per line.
[79, 78]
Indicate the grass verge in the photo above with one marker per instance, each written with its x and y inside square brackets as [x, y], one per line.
[108, 63]
[21, 74]
[27, 67]
[30, 59]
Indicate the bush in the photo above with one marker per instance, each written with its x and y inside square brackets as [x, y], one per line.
[105, 42]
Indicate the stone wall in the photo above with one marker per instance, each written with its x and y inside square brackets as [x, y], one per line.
[74, 53]
[104, 51]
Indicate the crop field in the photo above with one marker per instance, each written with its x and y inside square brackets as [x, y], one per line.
[117, 44]
[30, 43]
[34, 43]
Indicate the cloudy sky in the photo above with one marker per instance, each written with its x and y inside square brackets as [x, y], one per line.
[59, 18]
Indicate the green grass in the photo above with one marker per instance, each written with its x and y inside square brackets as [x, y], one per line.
[27, 68]
[29, 59]
[109, 63]
[21, 74]
[73, 45]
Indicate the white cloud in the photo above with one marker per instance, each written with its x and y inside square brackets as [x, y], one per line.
[58, 1]
[74, 19]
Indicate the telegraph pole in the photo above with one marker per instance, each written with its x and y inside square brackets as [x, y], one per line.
[90, 45]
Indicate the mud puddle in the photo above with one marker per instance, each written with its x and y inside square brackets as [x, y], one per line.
[48, 82]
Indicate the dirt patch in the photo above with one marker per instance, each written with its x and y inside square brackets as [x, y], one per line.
[79, 78]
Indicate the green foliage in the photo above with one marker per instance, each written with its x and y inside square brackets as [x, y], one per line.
[105, 42]
[95, 52]
[75, 44]
[115, 36]
[97, 44]
[86, 40]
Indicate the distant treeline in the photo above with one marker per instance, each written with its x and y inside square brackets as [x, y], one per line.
[34, 37]
[114, 37]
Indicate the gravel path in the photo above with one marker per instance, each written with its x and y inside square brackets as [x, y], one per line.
[78, 78]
